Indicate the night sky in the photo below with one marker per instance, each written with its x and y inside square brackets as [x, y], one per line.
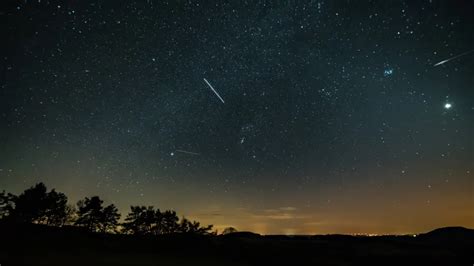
[336, 117]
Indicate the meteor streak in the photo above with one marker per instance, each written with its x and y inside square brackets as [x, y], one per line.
[188, 152]
[451, 58]
[217, 94]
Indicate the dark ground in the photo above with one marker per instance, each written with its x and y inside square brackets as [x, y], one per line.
[39, 245]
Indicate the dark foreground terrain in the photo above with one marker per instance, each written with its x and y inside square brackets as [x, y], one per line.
[39, 245]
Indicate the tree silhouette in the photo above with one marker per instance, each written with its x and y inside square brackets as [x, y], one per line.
[147, 221]
[36, 205]
[109, 219]
[94, 217]
[193, 227]
[31, 204]
[169, 222]
[229, 230]
[132, 224]
[57, 211]
[142, 221]
[6, 204]
[89, 213]
[71, 211]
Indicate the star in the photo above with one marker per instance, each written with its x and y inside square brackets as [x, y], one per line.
[448, 106]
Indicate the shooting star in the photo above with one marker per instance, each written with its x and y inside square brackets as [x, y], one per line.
[451, 58]
[217, 94]
[188, 152]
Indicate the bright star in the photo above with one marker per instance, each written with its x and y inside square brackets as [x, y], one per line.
[448, 106]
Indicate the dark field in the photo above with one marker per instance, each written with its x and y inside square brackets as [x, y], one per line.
[38, 245]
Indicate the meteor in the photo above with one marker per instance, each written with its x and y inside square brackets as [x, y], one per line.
[187, 152]
[217, 94]
[451, 58]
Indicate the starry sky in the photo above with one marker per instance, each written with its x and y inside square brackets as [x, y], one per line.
[334, 117]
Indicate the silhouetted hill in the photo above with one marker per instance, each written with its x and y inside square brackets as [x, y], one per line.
[242, 235]
[455, 232]
[29, 244]
[450, 234]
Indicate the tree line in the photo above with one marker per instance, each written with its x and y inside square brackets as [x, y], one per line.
[38, 206]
